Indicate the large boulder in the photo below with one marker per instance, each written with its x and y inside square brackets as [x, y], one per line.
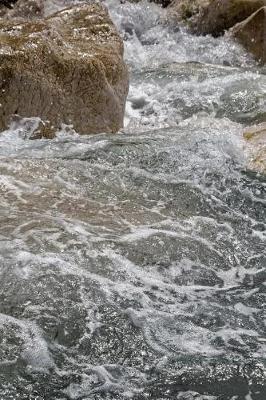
[251, 33]
[256, 140]
[66, 69]
[220, 15]
[215, 16]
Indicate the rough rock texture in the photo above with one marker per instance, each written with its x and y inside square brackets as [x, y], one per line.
[221, 15]
[251, 33]
[33, 128]
[256, 139]
[214, 16]
[187, 10]
[67, 68]
[36, 8]
[7, 3]
[24, 9]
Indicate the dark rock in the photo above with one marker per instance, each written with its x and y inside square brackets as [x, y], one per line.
[251, 33]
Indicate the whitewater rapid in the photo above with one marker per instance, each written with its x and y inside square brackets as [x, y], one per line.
[132, 266]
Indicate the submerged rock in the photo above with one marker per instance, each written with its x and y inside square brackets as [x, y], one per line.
[32, 128]
[251, 33]
[66, 69]
[256, 139]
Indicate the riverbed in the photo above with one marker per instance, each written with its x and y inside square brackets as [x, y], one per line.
[132, 266]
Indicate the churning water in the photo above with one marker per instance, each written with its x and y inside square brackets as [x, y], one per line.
[133, 266]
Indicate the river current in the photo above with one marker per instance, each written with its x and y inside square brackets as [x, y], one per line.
[132, 266]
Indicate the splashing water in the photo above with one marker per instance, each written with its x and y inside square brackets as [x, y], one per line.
[133, 266]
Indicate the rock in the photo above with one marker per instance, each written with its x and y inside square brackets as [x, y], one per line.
[251, 33]
[246, 18]
[256, 140]
[187, 10]
[66, 69]
[32, 128]
[24, 9]
[163, 3]
[44, 130]
[32, 9]
[215, 16]
[7, 3]
[220, 15]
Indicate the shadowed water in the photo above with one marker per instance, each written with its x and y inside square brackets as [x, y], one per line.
[133, 266]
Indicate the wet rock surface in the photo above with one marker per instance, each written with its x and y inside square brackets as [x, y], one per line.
[256, 138]
[33, 9]
[23, 9]
[188, 10]
[67, 68]
[218, 16]
[251, 33]
[215, 17]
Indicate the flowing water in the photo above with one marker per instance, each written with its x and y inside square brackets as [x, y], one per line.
[132, 266]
